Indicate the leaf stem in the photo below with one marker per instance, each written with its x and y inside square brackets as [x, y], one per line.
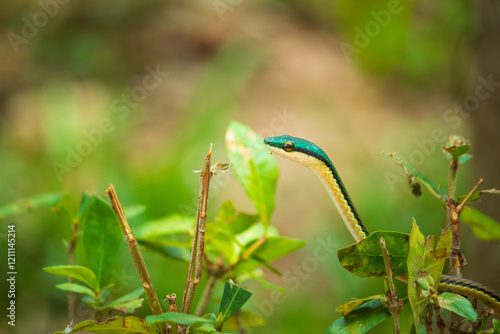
[135, 251]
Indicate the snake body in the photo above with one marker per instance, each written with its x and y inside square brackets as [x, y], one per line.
[313, 157]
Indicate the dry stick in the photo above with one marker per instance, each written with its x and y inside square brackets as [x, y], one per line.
[440, 322]
[172, 300]
[196, 262]
[142, 270]
[428, 320]
[394, 305]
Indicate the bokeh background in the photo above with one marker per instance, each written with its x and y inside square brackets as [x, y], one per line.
[357, 78]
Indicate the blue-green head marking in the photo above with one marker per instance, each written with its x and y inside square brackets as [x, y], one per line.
[310, 155]
[295, 148]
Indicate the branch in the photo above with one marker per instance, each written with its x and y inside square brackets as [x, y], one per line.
[142, 270]
[197, 251]
[394, 305]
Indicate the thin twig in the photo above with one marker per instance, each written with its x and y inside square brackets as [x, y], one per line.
[428, 320]
[440, 322]
[394, 305]
[197, 251]
[461, 206]
[135, 251]
[172, 300]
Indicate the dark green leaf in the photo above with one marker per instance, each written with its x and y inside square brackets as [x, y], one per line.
[102, 235]
[365, 258]
[114, 325]
[83, 274]
[255, 168]
[29, 203]
[496, 326]
[458, 305]
[178, 318]
[361, 320]
[233, 298]
[351, 305]
[74, 287]
[483, 226]
[234, 222]
[434, 188]
[169, 248]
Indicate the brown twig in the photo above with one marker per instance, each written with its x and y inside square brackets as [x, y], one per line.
[197, 251]
[440, 322]
[172, 301]
[142, 270]
[394, 305]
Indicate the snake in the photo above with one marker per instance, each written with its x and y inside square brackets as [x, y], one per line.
[310, 155]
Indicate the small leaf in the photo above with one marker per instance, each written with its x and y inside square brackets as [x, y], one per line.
[277, 247]
[351, 305]
[74, 287]
[361, 320]
[255, 168]
[114, 325]
[127, 303]
[365, 258]
[476, 195]
[178, 318]
[83, 274]
[458, 305]
[29, 203]
[433, 187]
[483, 226]
[233, 298]
[168, 248]
[464, 158]
[102, 235]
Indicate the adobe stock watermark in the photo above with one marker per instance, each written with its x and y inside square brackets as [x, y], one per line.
[455, 117]
[223, 6]
[292, 279]
[363, 37]
[277, 124]
[121, 108]
[32, 25]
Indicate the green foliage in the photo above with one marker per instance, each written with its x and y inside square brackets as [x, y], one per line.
[233, 298]
[83, 274]
[365, 258]
[29, 203]
[457, 304]
[484, 227]
[255, 169]
[362, 319]
[102, 235]
[113, 325]
[423, 261]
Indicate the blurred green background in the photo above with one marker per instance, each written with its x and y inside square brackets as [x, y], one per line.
[133, 93]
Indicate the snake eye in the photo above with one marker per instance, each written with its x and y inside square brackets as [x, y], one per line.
[288, 146]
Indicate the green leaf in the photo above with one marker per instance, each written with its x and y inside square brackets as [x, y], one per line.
[114, 325]
[361, 320]
[29, 203]
[168, 248]
[464, 158]
[102, 235]
[365, 258]
[483, 226]
[127, 303]
[233, 222]
[496, 326]
[173, 224]
[233, 298]
[83, 274]
[178, 318]
[351, 305]
[255, 168]
[433, 187]
[74, 287]
[133, 211]
[458, 305]
[277, 247]
[455, 152]
[425, 264]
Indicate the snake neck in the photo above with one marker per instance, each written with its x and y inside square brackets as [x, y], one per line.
[328, 175]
